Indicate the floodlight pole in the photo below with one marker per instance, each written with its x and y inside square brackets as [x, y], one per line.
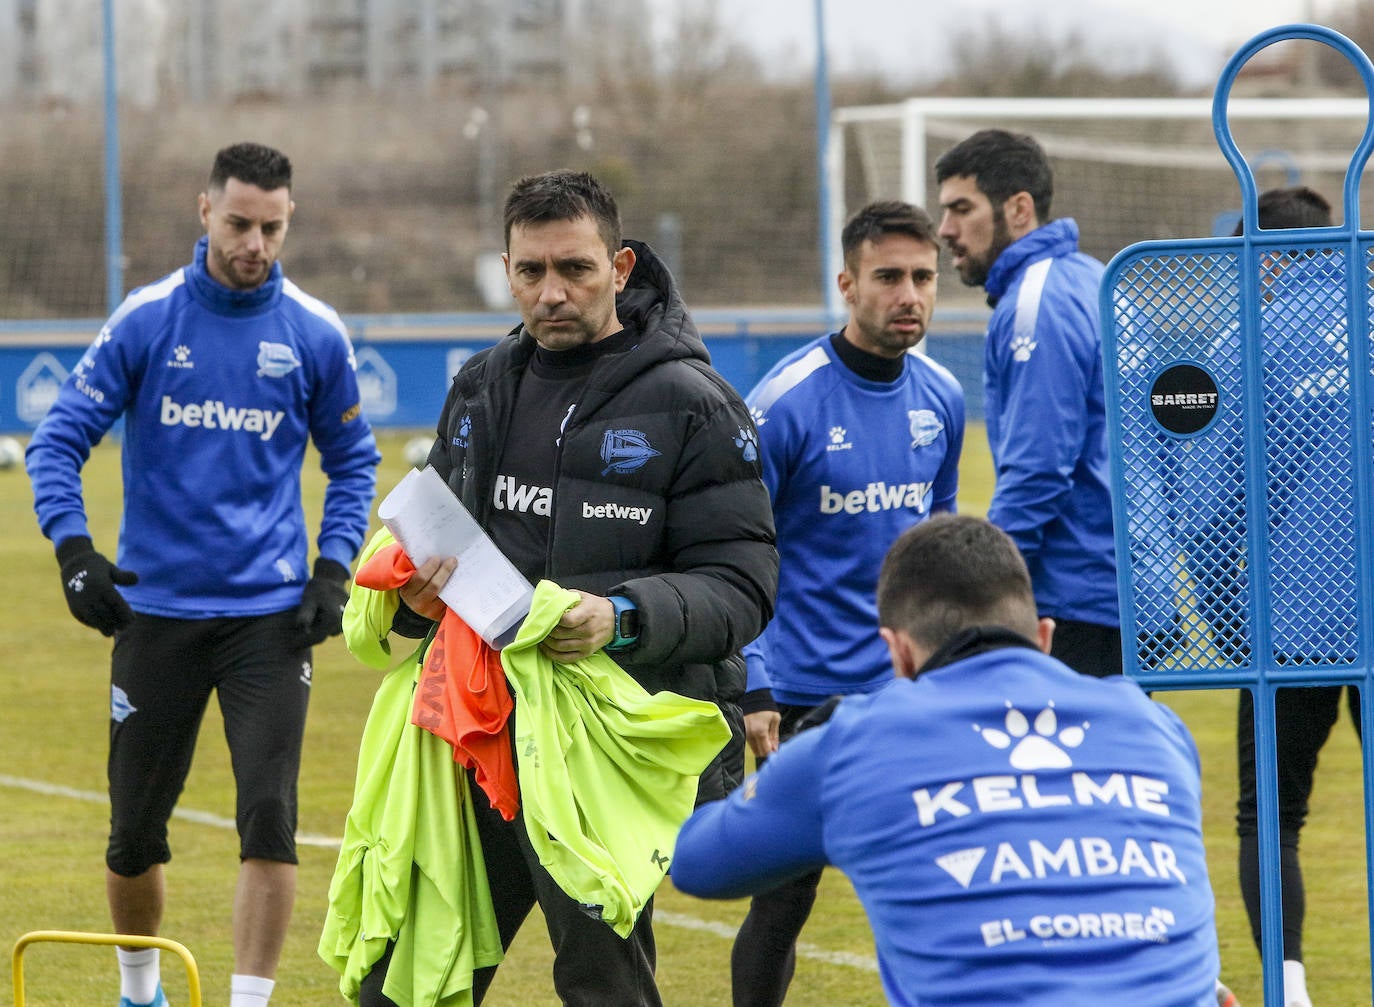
[822, 89]
[114, 215]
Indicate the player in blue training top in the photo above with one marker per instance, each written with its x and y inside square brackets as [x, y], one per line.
[223, 371]
[1016, 832]
[1042, 380]
[860, 438]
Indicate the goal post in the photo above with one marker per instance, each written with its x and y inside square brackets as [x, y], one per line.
[1127, 169]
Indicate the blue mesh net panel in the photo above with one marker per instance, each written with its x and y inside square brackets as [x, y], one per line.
[1224, 427]
[1240, 392]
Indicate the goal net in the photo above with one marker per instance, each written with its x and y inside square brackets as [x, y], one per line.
[1127, 169]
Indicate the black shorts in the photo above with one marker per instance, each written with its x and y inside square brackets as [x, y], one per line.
[1087, 647]
[162, 673]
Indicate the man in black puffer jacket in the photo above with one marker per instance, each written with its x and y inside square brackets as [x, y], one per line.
[599, 449]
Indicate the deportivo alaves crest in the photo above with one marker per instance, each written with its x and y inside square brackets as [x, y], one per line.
[626, 451]
[276, 360]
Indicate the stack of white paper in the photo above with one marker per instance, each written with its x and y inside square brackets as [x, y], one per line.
[486, 591]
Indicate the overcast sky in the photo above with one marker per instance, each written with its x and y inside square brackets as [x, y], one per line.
[907, 38]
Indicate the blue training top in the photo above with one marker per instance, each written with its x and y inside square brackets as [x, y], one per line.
[850, 464]
[1017, 833]
[1046, 417]
[220, 391]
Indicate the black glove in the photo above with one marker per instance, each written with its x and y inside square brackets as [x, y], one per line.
[320, 615]
[88, 580]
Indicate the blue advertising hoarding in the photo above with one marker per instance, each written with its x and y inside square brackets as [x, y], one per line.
[405, 362]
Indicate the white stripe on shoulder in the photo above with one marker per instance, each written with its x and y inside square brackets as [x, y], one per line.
[922, 359]
[315, 306]
[788, 378]
[1028, 298]
[158, 291]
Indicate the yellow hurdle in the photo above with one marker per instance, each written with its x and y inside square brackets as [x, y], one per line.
[124, 940]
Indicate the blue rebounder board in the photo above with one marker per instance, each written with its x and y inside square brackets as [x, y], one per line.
[1240, 376]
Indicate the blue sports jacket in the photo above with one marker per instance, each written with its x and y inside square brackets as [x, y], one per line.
[220, 391]
[1046, 415]
[1017, 833]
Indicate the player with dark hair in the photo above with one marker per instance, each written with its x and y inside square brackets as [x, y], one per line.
[1015, 831]
[860, 438]
[223, 371]
[599, 450]
[1043, 389]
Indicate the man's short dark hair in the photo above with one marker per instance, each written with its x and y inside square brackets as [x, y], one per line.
[879, 219]
[253, 164]
[1292, 206]
[563, 195]
[951, 573]
[1001, 164]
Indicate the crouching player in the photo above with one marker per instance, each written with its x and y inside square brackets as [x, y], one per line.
[1016, 832]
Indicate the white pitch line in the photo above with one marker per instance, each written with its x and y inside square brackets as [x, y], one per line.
[680, 920]
[684, 922]
[186, 814]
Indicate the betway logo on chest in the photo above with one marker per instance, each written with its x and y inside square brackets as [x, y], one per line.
[876, 497]
[617, 512]
[512, 495]
[212, 414]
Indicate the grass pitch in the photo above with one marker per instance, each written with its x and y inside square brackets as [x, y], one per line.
[53, 727]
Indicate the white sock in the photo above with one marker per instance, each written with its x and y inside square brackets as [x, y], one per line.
[250, 991]
[1295, 984]
[139, 973]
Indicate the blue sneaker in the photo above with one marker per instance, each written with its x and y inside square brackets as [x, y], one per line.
[158, 1001]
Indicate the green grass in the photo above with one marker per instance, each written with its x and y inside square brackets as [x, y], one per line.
[53, 724]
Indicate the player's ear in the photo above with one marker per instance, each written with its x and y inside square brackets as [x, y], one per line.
[903, 651]
[1044, 634]
[1019, 211]
[623, 264]
[845, 281]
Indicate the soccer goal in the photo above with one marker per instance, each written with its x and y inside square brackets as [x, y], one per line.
[1127, 169]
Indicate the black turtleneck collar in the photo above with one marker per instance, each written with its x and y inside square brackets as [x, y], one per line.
[578, 361]
[972, 642]
[868, 366]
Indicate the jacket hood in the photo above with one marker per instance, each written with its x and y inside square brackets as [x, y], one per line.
[651, 305]
[1058, 237]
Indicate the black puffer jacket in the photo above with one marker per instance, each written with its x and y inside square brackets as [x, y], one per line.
[657, 494]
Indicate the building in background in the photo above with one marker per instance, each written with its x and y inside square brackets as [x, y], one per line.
[203, 50]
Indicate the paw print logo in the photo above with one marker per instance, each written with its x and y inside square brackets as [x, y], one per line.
[1037, 744]
[182, 352]
[756, 414]
[837, 435]
[1021, 348]
[287, 572]
[749, 447]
